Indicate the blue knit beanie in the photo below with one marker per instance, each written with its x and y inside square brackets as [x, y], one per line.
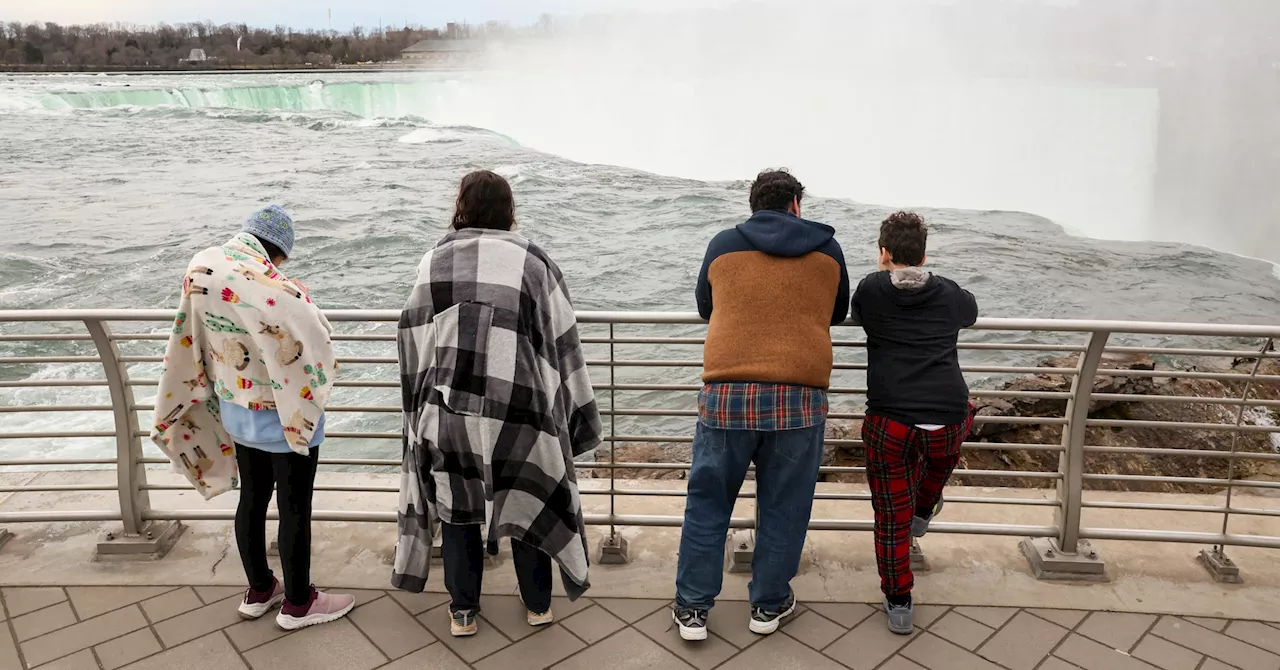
[271, 224]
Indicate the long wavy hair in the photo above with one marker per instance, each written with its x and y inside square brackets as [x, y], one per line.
[485, 201]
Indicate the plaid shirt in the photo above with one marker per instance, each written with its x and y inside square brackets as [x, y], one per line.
[761, 407]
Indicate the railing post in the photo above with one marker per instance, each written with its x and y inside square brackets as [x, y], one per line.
[139, 538]
[1215, 559]
[613, 549]
[1067, 556]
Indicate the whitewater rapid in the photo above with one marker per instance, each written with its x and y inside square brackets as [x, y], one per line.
[1082, 156]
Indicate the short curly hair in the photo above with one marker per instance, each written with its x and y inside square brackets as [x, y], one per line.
[775, 190]
[904, 235]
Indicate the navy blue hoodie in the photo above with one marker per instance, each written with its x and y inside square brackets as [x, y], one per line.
[913, 321]
[772, 287]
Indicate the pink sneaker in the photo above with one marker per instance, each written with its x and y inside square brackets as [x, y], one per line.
[322, 608]
[257, 603]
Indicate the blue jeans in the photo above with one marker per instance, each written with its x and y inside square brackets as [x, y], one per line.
[787, 465]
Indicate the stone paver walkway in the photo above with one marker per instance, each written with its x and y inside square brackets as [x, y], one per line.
[88, 628]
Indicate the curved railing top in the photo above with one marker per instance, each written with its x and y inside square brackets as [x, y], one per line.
[691, 318]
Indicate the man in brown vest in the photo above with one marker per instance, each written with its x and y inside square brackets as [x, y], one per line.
[772, 288]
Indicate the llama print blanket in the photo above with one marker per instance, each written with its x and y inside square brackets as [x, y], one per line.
[244, 334]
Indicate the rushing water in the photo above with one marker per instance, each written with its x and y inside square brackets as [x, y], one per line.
[109, 184]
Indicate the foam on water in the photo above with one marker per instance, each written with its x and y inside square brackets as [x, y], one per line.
[428, 136]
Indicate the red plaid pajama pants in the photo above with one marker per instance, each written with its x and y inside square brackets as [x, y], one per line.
[906, 469]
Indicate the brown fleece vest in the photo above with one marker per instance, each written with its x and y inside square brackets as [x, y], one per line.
[772, 318]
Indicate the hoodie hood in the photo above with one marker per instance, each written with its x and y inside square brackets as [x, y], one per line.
[784, 234]
[910, 286]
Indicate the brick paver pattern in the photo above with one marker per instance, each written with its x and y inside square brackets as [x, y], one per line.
[108, 628]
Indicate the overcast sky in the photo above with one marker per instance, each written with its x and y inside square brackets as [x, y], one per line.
[314, 13]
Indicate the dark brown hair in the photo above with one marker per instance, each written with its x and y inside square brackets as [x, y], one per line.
[775, 190]
[904, 235]
[485, 201]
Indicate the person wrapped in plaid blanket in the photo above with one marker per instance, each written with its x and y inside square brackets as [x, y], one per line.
[918, 410]
[497, 403]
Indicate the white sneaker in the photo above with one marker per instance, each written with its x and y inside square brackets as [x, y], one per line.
[544, 619]
[692, 623]
[256, 604]
[323, 608]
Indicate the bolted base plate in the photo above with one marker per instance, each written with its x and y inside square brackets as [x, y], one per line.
[739, 550]
[613, 550]
[918, 562]
[1049, 562]
[1223, 569]
[155, 540]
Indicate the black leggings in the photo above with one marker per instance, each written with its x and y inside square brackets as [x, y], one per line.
[294, 477]
[463, 551]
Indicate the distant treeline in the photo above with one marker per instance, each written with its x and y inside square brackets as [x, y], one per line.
[117, 46]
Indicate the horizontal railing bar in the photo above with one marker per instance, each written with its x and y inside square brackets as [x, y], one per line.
[273, 514]
[1199, 481]
[646, 340]
[342, 488]
[1190, 352]
[378, 462]
[372, 462]
[48, 488]
[61, 516]
[615, 519]
[863, 497]
[52, 383]
[1198, 400]
[697, 341]
[1180, 537]
[1195, 509]
[1190, 453]
[22, 409]
[688, 318]
[58, 461]
[1180, 425]
[46, 337]
[142, 359]
[1184, 374]
[984, 369]
[40, 360]
[55, 434]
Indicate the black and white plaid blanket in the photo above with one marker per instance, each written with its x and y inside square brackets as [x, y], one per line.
[497, 402]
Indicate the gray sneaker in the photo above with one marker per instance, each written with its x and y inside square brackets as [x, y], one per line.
[901, 619]
[919, 526]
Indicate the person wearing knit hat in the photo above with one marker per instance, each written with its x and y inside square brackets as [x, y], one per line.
[272, 226]
[264, 413]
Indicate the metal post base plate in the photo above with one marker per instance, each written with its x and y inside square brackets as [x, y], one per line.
[1049, 562]
[5, 536]
[273, 549]
[155, 540]
[918, 562]
[739, 551]
[613, 550]
[1223, 569]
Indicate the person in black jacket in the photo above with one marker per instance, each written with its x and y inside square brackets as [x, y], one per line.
[918, 411]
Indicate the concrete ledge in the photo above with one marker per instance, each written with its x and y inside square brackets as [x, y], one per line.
[837, 566]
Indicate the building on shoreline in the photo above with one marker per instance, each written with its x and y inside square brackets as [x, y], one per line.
[434, 52]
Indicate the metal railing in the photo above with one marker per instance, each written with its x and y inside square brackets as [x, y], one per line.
[633, 358]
